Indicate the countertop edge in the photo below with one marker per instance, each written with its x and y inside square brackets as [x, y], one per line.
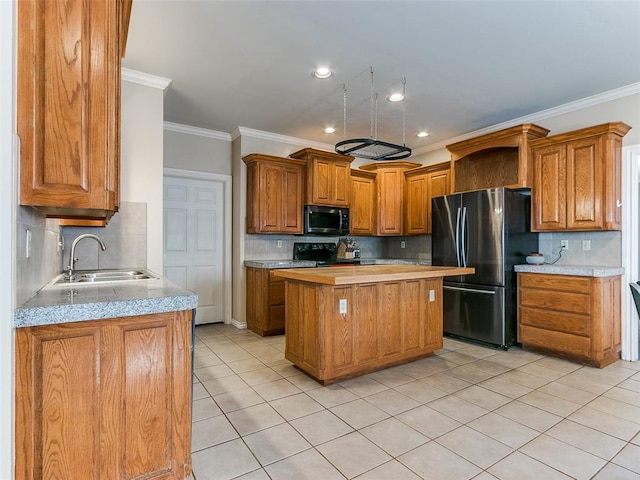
[352, 275]
[575, 270]
[63, 304]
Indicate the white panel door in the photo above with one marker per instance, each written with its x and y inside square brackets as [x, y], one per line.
[194, 242]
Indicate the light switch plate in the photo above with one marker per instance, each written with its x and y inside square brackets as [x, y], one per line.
[279, 243]
[586, 245]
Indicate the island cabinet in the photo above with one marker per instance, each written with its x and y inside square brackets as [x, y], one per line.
[423, 184]
[497, 159]
[328, 180]
[574, 317]
[105, 398]
[577, 179]
[347, 321]
[265, 301]
[68, 106]
[362, 205]
[390, 186]
[274, 194]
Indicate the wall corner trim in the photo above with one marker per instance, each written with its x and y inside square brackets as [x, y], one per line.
[276, 137]
[201, 132]
[597, 99]
[146, 79]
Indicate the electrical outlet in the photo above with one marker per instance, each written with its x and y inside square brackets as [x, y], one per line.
[343, 306]
[279, 243]
[564, 244]
[432, 295]
[402, 244]
[27, 247]
[586, 245]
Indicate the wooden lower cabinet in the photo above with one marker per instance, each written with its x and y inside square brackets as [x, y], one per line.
[265, 302]
[386, 323]
[574, 317]
[105, 399]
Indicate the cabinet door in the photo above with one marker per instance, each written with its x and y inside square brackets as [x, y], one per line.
[390, 191]
[341, 184]
[439, 185]
[271, 196]
[69, 106]
[416, 206]
[291, 199]
[321, 182]
[549, 189]
[361, 207]
[585, 181]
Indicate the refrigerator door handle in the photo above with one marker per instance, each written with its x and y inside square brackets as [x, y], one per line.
[458, 239]
[463, 231]
[471, 290]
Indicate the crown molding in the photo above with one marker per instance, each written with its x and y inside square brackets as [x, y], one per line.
[200, 132]
[276, 137]
[145, 79]
[586, 102]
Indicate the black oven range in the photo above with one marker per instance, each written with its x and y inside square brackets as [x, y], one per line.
[325, 254]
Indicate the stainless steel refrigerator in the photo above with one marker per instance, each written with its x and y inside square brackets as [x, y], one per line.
[490, 231]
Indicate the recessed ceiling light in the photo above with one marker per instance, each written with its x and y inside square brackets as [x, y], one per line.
[396, 97]
[423, 134]
[329, 130]
[322, 72]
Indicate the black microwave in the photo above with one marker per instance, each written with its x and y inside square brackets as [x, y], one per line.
[322, 220]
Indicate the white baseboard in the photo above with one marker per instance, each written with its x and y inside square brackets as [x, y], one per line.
[237, 324]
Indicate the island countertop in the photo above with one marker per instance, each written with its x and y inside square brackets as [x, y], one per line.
[369, 273]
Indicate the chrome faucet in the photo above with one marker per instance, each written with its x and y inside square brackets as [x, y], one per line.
[72, 251]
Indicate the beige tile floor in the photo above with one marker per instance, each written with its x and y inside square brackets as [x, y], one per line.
[466, 412]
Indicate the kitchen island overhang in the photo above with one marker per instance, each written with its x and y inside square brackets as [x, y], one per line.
[342, 322]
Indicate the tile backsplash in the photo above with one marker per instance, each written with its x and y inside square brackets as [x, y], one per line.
[125, 238]
[606, 248]
[43, 263]
[265, 247]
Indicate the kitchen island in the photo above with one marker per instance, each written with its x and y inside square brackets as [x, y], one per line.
[342, 322]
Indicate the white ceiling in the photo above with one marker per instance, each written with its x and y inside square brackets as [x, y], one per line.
[468, 64]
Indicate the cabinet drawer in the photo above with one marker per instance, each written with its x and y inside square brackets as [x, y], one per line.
[559, 321]
[555, 282]
[559, 301]
[276, 292]
[563, 343]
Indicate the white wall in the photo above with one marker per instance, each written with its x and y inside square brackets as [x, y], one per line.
[8, 187]
[142, 159]
[199, 150]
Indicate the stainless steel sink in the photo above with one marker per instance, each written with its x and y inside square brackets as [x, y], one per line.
[93, 276]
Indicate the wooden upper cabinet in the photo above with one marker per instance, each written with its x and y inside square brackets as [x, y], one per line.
[390, 187]
[423, 184]
[274, 194]
[362, 205]
[69, 58]
[498, 159]
[577, 181]
[328, 180]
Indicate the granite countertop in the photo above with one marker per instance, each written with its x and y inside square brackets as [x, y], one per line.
[65, 303]
[577, 270]
[311, 263]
